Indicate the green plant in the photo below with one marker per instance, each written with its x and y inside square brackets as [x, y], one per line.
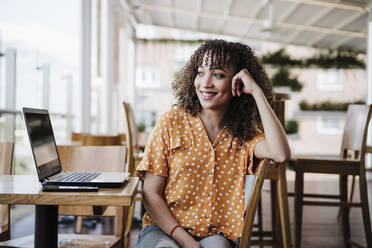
[326, 60]
[141, 127]
[336, 59]
[327, 106]
[291, 126]
[280, 58]
[283, 78]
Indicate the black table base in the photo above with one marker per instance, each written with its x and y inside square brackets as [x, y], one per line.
[46, 226]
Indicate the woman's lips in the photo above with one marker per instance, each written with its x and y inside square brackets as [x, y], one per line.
[207, 95]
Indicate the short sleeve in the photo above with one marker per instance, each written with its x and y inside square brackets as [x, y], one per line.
[253, 162]
[157, 150]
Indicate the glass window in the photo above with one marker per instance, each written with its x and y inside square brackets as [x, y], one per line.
[329, 80]
[329, 125]
[44, 36]
[148, 76]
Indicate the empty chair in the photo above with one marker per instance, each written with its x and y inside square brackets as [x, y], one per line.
[77, 137]
[94, 158]
[95, 140]
[351, 162]
[134, 155]
[101, 140]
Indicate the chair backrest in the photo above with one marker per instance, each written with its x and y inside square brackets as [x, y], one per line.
[6, 160]
[77, 137]
[101, 140]
[130, 134]
[252, 205]
[94, 158]
[355, 132]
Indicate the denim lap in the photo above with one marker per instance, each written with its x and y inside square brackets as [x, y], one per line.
[215, 241]
[153, 236]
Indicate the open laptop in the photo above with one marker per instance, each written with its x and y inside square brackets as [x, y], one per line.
[48, 165]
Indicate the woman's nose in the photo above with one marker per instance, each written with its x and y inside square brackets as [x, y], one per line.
[207, 80]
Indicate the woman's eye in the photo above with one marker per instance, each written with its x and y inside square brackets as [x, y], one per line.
[219, 75]
[200, 73]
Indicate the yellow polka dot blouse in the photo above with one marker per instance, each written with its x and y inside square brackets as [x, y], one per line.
[205, 182]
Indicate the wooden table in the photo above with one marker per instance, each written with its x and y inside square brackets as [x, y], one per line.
[26, 189]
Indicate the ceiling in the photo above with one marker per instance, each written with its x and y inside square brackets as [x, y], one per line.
[339, 24]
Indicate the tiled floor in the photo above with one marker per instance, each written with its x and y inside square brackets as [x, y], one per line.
[320, 225]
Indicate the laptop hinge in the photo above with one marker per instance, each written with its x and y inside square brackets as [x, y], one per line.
[43, 181]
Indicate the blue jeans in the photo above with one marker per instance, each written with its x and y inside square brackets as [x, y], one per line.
[153, 237]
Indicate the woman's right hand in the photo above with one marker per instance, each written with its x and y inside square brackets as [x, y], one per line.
[186, 240]
[194, 244]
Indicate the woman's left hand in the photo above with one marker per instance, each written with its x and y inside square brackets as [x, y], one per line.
[243, 82]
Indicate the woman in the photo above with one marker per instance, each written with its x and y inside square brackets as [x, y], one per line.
[199, 153]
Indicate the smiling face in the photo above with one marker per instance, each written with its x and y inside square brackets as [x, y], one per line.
[213, 85]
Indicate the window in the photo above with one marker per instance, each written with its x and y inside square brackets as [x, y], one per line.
[148, 118]
[329, 125]
[329, 80]
[148, 77]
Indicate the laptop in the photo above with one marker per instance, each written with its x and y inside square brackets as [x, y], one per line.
[48, 164]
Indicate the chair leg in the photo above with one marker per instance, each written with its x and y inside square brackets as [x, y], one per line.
[274, 211]
[259, 218]
[128, 224]
[350, 197]
[345, 211]
[299, 190]
[79, 224]
[283, 207]
[365, 208]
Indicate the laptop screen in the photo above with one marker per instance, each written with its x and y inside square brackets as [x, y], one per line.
[42, 142]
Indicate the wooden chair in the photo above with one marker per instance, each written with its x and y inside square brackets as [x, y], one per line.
[280, 223]
[134, 156]
[6, 159]
[96, 158]
[245, 240]
[101, 140]
[77, 137]
[351, 162]
[94, 140]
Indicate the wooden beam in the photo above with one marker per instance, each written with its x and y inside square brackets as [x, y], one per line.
[288, 12]
[225, 15]
[330, 4]
[338, 26]
[199, 7]
[247, 20]
[310, 22]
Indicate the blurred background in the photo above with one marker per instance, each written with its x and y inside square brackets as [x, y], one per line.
[76, 57]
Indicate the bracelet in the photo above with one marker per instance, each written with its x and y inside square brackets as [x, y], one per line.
[174, 228]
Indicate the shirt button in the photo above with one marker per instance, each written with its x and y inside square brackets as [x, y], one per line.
[209, 195]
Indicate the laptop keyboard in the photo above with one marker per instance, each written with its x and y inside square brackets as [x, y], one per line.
[79, 177]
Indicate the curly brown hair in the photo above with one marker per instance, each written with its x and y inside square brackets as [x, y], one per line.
[242, 117]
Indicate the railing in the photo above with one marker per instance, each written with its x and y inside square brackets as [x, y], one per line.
[12, 129]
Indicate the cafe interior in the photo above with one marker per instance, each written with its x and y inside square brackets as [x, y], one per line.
[103, 69]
